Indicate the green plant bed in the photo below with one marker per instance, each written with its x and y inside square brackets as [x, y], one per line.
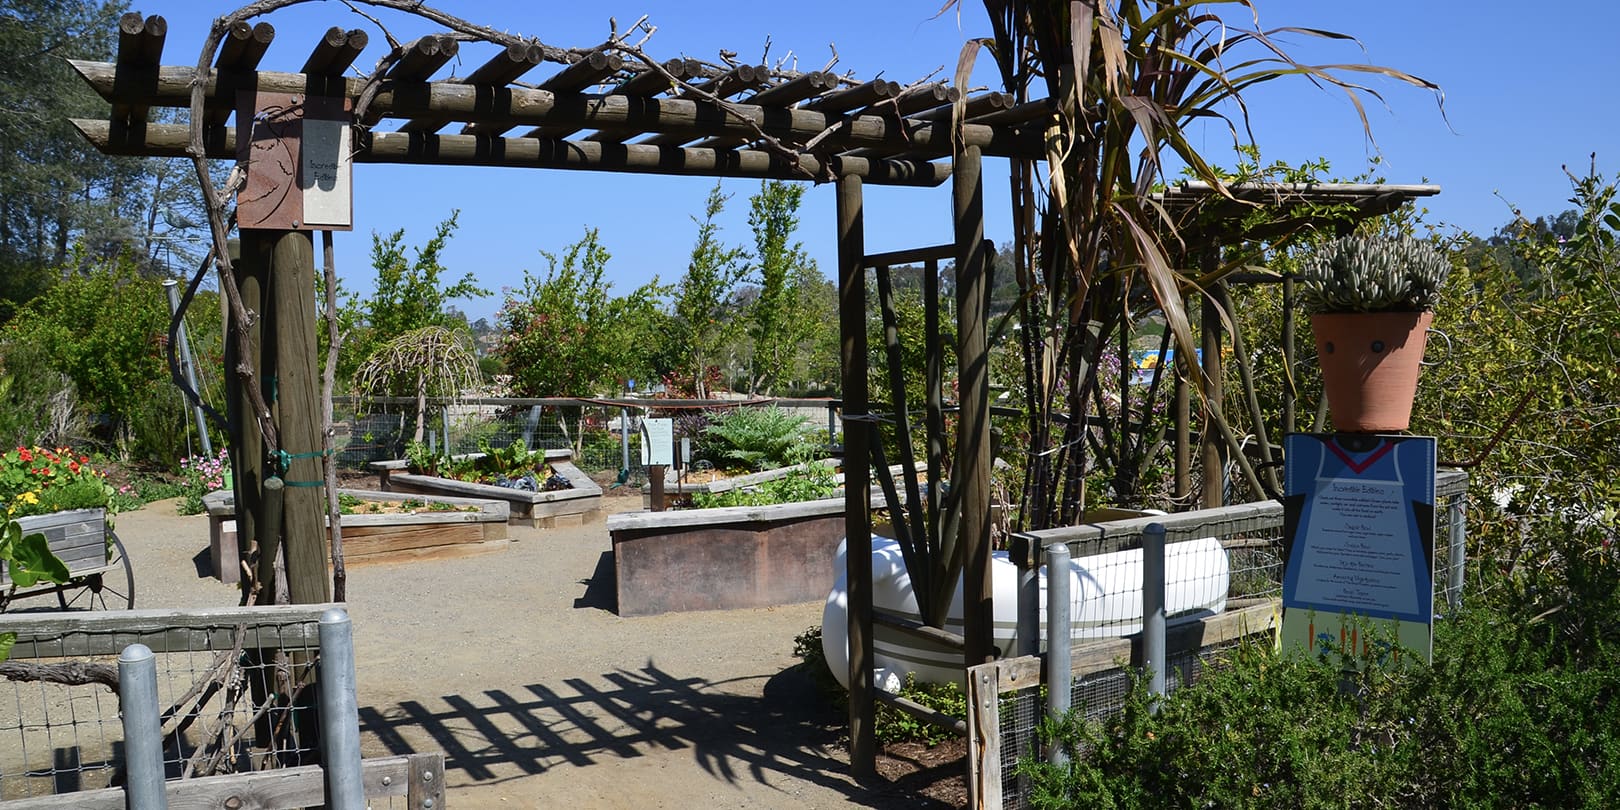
[381, 527]
[545, 508]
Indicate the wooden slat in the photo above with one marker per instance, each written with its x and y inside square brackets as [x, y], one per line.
[280, 789]
[854, 98]
[731, 83]
[170, 140]
[241, 53]
[335, 52]
[423, 57]
[378, 540]
[646, 84]
[140, 45]
[975, 107]
[108, 632]
[984, 737]
[916, 628]
[572, 79]
[511, 62]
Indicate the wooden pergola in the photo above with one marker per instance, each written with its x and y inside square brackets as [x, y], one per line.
[602, 109]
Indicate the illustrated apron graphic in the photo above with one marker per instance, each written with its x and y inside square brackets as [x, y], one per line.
[1359, 530]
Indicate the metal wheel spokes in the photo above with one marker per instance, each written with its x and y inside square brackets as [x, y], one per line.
[110, 589]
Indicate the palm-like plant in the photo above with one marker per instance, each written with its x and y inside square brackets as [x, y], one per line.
[1126, 78]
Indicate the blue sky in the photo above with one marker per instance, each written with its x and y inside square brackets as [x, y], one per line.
[1524, 95]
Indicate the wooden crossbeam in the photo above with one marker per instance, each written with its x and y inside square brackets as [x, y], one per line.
[733, 82]
[977, 106]
[140, 45]
[783, 94]
[522, 106]
[423, 57]
[336, 51]
[572, 79]
[243, 49]
[645, 84]
[171, 140]
[854, 98]
[513, 61]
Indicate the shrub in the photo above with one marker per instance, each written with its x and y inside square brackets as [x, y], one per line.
[39, 480]
[810, 482]
[758, 438]
[201, 475]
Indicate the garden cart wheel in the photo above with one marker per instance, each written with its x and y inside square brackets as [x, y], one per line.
[112, 588]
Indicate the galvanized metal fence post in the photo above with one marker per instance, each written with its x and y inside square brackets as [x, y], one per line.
[340, 713]
[1153, 654]
[1457, 533]
[624, 441]
[1059, 663]
[143, 729]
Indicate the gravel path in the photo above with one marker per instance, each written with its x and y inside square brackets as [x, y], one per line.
[515, 666]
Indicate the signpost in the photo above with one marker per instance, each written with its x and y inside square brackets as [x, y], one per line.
[1359, 542]
[657, 453]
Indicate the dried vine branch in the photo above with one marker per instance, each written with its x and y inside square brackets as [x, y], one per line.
[71, 673]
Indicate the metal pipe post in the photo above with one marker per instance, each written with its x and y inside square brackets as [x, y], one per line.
[1029, 604]
[188, 367]
[1059, 658]
[624, 440]
[143, 728]
[340, 713]
[1457, 533]
[1153, 654]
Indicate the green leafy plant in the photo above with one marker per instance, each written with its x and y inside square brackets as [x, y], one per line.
[39, 480]
[1373, 274]
[27, 560]
[201, 475]
[758, 438]
[812, 481]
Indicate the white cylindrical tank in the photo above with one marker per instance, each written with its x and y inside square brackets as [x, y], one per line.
[1105, 589]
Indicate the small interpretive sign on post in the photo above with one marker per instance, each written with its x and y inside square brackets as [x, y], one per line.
[1358, 572]
[657, 442]
[298, 159]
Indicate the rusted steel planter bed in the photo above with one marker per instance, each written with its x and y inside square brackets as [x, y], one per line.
[561, 507]
[399, 537]
[720, 559]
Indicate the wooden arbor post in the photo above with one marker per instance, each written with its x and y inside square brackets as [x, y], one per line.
[276, 275]
[857, 483]
[971, 471]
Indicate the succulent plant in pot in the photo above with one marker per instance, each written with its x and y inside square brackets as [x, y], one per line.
[1370, 300]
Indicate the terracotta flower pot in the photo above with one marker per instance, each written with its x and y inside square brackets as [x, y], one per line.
[1370, 363]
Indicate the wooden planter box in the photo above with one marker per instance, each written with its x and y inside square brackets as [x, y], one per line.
[377, 537]
[720, 559]
[563, 507]
[78, 537]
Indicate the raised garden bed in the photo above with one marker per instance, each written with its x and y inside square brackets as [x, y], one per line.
[561, 507]
[720, 559]
[389, 536]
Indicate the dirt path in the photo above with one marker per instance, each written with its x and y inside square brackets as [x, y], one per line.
[515, 666]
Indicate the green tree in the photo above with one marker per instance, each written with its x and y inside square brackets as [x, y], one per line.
[565, 334]
[409, 295]
[780, 322]
[704, 317]
[114, 356]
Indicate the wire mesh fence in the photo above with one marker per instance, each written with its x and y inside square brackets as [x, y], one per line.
[604, 436]
[236, 688]
[1225, 564]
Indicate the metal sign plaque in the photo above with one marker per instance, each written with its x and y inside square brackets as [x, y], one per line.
[296, 153]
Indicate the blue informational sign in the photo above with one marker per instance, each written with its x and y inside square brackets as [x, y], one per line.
[1358, 538]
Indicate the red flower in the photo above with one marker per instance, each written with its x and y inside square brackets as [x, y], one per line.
[73, 466]
[25, 454]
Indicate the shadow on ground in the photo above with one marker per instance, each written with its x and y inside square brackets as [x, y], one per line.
[497, 734]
